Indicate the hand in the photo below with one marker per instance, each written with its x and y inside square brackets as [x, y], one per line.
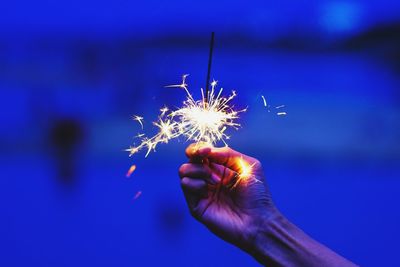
[227, 192]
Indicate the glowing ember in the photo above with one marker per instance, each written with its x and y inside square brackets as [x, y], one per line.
[130, 171]
[137, 195]
[198, 120]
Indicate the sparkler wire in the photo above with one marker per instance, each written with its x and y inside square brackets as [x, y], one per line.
[209, 65]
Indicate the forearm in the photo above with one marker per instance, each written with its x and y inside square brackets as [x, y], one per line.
[280, 243]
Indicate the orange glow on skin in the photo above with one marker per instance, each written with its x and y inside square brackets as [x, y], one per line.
[245, 174]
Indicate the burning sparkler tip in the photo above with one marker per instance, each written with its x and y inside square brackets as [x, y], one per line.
[245, 174]
[197, 120]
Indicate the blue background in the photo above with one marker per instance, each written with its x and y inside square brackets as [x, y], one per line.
[73, 73]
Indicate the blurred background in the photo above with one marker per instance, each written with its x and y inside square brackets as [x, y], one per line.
[73, 73]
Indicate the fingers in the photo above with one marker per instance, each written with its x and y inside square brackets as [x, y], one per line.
[195, 190]
[194, 170]
[198, 171]
[196, 193]
[192, 152]
[193, 149]
[194, 186]
[221, 155]
[228, 176]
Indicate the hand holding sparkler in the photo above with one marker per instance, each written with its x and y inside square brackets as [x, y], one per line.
[226, 191]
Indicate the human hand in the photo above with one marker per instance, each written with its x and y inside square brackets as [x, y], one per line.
[227, 192]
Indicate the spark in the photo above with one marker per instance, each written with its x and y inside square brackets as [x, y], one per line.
[245, 174]
[130, 171]
[197, 120]
[277, 107]
[139, 119]
[163, 111]
[265, 101]
[245, 168]
[137, 195]
[183, 85]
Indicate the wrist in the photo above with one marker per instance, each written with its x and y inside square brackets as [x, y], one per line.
[277, 242]
[267, 241]
[259, 230]
[264, 229]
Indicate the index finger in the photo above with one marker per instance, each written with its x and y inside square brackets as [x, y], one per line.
[192, 152]
[225, 156]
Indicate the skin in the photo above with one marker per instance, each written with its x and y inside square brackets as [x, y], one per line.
[239, 209]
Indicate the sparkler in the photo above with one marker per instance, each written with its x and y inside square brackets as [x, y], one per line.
[204, 120]
[209, 65]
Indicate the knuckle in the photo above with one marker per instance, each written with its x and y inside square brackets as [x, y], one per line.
[257, 163]
[190, 150]
[184, 182]
[226, 149]
[182, 170]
